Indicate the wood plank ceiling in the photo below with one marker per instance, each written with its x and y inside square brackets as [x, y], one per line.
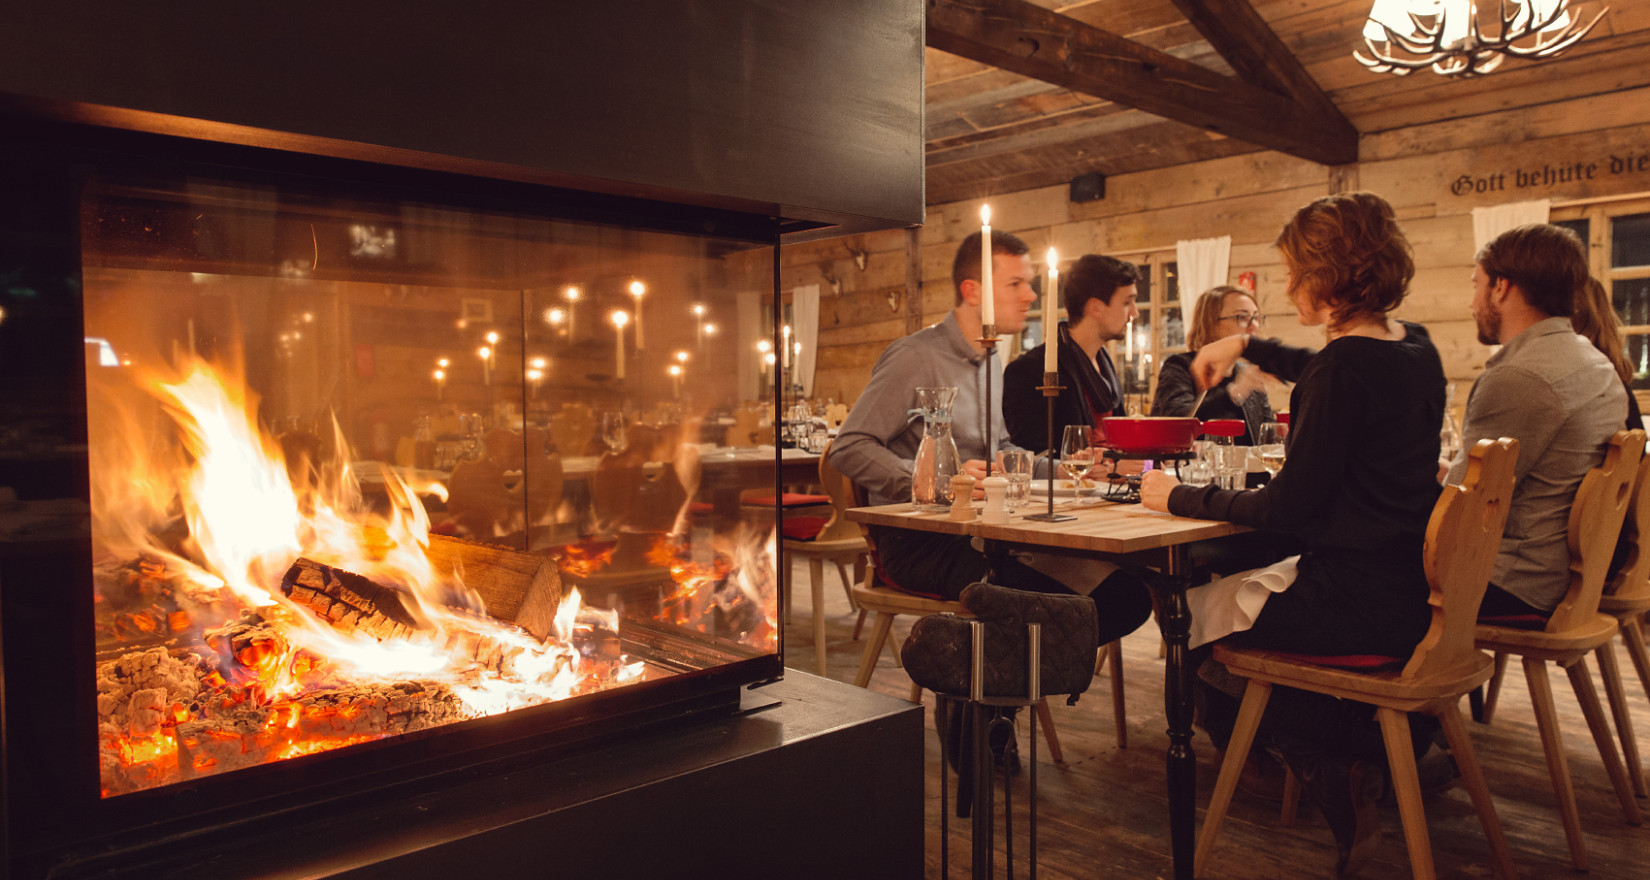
[1050, 89]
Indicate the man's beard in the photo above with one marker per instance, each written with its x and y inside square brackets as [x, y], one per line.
[1489, 325]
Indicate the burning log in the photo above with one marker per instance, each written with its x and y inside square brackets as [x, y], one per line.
[517, 587]
[348, 600]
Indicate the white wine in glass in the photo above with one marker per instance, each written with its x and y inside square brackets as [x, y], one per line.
[1077, 455]
[1270, 446]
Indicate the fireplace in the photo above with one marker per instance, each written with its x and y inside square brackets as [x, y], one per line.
[347, 464]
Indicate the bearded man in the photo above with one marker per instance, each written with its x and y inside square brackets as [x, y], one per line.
[1549, 389]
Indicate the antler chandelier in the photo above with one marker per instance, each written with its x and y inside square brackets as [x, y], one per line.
[1406, 35]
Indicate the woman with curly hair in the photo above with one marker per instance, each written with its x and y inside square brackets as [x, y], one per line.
[1355, 492]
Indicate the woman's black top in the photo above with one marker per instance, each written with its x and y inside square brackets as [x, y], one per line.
[1356, 490]
[1176, 392]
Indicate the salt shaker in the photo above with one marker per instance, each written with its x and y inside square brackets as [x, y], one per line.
[996, 499]
[962, 497]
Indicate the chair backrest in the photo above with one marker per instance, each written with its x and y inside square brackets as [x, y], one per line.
[746, 429]
[1633, 580]
[1463, 538]
[841, 490]
[1595, 524]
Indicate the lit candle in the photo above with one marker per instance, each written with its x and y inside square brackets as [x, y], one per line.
[637, 288]
[1144, 367]
[1128, 342]
[675, 379]
[572, 294]
[486, 354]
[534, 377]
[555, 317]
[1051, 315]
[710, 329]
[440, 382]
[765, 348]
[699, 326]
[619, 320]
[785, 348]
[988, 306]
[541, 368]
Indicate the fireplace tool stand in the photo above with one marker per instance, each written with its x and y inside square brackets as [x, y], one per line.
[979, 717]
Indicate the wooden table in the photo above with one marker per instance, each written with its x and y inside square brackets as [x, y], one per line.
[1115, 531]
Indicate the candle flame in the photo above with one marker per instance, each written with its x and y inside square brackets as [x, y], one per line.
[675, 370]
[440, 375]
[492, 337]
[554, 316]
[485, 352]
[699, 309]
[1053, 260]
[710, 329]
[572, 294]
[637, 288]
[764, 346]
[985, 215]
[443, 363]
[620, 318]
[682, 357]
[538, 363]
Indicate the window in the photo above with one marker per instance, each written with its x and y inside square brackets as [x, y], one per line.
[1618, 245]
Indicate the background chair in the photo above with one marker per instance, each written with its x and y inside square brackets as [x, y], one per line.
[820, 540]
[1462, 540]
[1627, 598]
[1575, 629]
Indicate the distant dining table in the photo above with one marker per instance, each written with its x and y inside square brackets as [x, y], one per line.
[1123, 532]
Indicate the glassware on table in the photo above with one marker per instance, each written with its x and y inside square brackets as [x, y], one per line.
[1231, 464]
[937, 460]
[1449, 437]
[1016, 468]
[613, 432]
[1078, 457]
[1270, 446]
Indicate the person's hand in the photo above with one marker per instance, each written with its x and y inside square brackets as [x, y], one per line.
[1155, 487]
[1215, 360]
[1247, 380]
[975, 468]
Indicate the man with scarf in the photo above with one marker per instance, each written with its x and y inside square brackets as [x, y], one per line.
[1100, 294]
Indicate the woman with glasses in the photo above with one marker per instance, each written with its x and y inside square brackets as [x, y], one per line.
[1220, 312]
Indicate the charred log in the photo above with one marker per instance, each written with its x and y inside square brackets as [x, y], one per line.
[517, 587]
[348, 601]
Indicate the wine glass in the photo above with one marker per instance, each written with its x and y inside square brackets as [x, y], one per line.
[613, 432]
[1270, 446]
[1077, 455]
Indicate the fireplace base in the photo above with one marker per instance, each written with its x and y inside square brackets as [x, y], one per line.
[809, 778]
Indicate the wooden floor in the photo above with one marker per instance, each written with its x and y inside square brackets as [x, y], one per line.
[1103, 814]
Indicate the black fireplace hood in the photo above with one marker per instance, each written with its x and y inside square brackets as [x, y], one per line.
[810, 112]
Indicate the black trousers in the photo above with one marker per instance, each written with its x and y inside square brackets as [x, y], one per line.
[943, 565]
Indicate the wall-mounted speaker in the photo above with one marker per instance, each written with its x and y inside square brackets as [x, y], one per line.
[1090, 187]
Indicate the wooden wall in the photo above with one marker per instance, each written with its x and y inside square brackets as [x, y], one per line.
[1434, 175]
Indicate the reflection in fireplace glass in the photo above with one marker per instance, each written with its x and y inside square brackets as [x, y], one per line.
[365, 468]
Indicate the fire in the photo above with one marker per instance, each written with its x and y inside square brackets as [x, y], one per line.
[726, 594]
[197, 540]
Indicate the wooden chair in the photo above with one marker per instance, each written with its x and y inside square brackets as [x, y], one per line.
[836, 540]
[1462, 539]
[887, 603]
[1576, 629]
[1627, 598]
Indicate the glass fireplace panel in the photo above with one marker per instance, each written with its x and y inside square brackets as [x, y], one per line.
[367, 466]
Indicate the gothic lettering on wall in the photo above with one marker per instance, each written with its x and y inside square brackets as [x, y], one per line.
[1547, 174]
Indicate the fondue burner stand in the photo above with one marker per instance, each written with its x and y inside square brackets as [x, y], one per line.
[1126, 489]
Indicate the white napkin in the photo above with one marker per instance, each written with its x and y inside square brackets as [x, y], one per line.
[1232, 603]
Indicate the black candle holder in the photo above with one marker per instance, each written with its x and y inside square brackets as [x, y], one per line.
[1051, 389]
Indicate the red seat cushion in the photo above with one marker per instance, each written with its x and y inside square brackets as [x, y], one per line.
[789, 499]
[803, 528]
[701, 508]
[1349, 662]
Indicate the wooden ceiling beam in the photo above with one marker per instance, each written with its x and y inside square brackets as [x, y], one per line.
[1256, 53]
[1032, 41]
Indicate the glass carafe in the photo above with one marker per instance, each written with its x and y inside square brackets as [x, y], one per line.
[1449, 436]
[936, 462]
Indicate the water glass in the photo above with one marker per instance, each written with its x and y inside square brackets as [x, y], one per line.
[1231, 464]
[1016, 468]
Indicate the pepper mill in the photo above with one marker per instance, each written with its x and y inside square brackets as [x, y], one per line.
[962, 497]
[996, 499]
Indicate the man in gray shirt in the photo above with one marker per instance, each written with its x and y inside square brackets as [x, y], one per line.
[1549, 389]
[879, 440]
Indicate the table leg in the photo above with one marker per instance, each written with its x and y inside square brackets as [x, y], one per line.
[1175, 620]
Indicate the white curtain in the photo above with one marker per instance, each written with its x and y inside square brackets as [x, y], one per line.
[1203, 263]
[805, 329]
[1489, 222]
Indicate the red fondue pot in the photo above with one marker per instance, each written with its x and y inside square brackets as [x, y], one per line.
[1144, 434]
